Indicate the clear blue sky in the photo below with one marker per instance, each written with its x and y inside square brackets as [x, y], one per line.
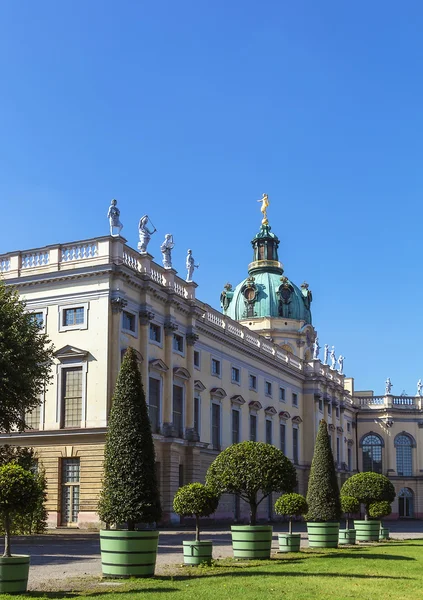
[190, 110]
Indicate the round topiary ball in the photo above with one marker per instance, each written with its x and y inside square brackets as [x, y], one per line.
[349, 504]
[291, 505]
[378, 510]
[368, 488]
[195, 499]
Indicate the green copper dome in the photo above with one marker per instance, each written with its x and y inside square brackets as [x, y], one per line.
[266, 292]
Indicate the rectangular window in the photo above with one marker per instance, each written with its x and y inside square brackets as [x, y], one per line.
[197, 415]
[320, 405]
[128, 321]
[337, 412]
[294, 399]
[295, 445]
[236, 375]
[32, 418]
[348, 427]
[154, 404]
[178, 343]
[282, 433]
[155, 333]
[73, 316]
[338, 450]
[253, 428]
[349, 459]
[267, 388]
[269, 432]
[215, 426]
[252, 382]
[70, 490]
[215, 364]
[197, 359]
[38, 317]
[329, 408]
[282, 394]
[71, 397]
[235, 426]
[178, 399]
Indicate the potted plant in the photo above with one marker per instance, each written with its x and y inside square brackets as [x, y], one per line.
[252, 471]
[196, 499]
[19, 494]
[324, 505]
[378, 510]
[368, 488]
[290, 505]
[129, 498]
[349, 505]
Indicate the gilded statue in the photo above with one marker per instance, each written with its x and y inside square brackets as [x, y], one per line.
[264, 204]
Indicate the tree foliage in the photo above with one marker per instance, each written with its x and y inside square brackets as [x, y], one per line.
[368, 488]
[130, 493]
[378, 510]
[25, 360]
[248, 469]
[291, 505]
[18, 496]
[349, 504]
[35, 520]
[323, 491]
[195, 499]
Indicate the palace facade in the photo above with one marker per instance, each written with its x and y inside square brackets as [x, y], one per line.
[211, 378]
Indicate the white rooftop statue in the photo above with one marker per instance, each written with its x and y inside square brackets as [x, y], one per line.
[316, 348]
[326, 354]
[333, 358]
[341, 364]
[144, 234]
[113, 216]
[388, 386]
[419, 387]
[190, 265]
[166, 250]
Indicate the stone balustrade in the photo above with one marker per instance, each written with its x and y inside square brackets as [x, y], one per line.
[388, 401]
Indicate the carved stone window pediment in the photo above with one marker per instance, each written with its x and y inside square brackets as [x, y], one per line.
[182, 373]
[270, 410]
[284, 414]
[218, 393]
[199, 386]
[71, 352]
[297, 419]
[237, 399]
[158, 365]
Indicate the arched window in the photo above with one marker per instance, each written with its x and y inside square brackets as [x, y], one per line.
[405, 503]
[371, 446]
[403, 445]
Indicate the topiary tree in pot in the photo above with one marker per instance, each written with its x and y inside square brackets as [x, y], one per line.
[378, 510]
[324, 505]
[252, 471]
[290, 505]
[368, 488]
[19, 494]
[349, 505]
[130, 493]
[196, 499]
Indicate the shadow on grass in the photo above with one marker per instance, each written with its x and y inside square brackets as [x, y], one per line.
[365, 556]
[96, 594]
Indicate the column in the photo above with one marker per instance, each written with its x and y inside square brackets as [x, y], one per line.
[169, 329]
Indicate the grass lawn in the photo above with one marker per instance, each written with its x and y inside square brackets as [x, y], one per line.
[377, 572]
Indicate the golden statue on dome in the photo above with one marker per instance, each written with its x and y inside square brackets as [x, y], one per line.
[264, 204]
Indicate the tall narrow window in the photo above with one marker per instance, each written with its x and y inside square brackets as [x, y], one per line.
[372, 453]
[154, 404]
[253, 428]
[70, 490]
[338, 451]
[235, 426]
[269, 432]
[32, 418]
[197, 415]
[349, 458]
[294, 399]
[282, 433]
[71, 397]
[215, 426]
[403, 445]
[295, 445]
[178, 398]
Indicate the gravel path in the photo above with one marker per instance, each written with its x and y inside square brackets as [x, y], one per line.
[66, 555]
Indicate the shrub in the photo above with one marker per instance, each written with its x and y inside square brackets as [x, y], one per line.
[368, 488]
[349, 505]
[130, 494]
[378, 510]
[195, 499]
[18, 496]
[291, 505]
[248, 469]
[323, 491]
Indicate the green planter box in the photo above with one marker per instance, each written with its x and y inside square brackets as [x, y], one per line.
[323, 535]
[128, 553]
[384, 533]
[251, 542]
[289, 542]
[196, 553]
[367, 531]
[347, 536]
[14, 572]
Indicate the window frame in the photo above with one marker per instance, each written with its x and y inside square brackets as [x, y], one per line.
[62, 308]
[60, 412]
[235, 371]
[282, 394]
[160, 330]
[233, 411]
[133, 332]
[268, 386]
[270, 422]
[214, 360]
[252, 418]
[160, 383]
[253, 377]
[44, 312]
[180, 337]
[198, 353]
[294, 399]
[212, 427]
